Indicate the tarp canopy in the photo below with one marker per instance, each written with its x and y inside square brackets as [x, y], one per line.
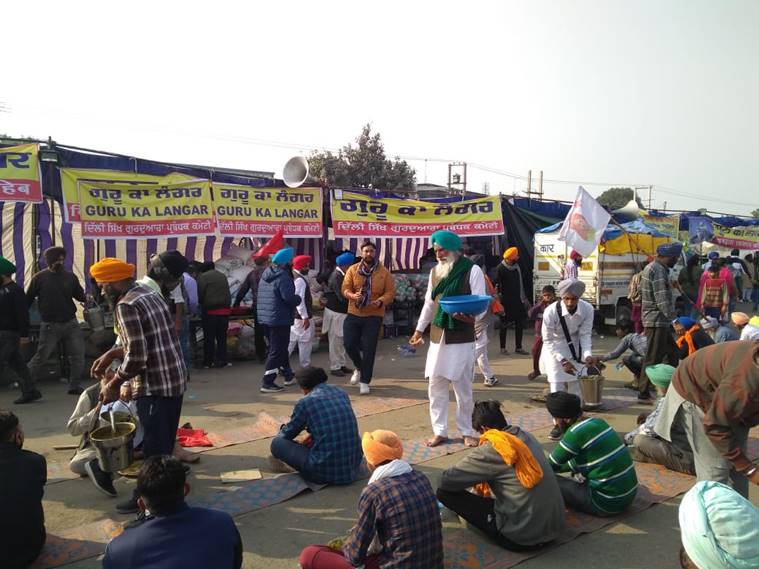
[631, 237]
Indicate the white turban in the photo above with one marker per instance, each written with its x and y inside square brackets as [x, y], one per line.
[574, 287]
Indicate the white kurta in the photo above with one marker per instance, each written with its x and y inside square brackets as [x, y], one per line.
[555, 347]
[304, 338]
[450, 363]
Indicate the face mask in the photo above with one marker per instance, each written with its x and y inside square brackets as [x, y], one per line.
[57, 267]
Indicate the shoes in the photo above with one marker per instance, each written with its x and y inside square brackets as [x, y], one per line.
[504, 352]
[271, 388]
[220, 365]
[532, 375]
[337, 373]
[289, 381]
[356, 377]
[141, 518]
[363, 389]
[491, 381]
[555, 434]
[346, 369]
[520, 351]
[102, 480]
[128, 507]
[28, 397]
[77, 390]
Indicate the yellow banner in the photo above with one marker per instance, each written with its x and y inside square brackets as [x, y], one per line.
[744, 237]
[71, 176]
[137, 211]
[20, 174]
[669, 224]
[357, 215]
[261, 212]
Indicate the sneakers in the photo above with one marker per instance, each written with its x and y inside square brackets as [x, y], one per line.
[337, 372]
[289, 381]
[271, 388]
[363, 389]
[356, 377]
[555, 434]
[128, 507]
[491, 381]
[76, 390]
[346, 370]
[28, 397]
[102, 480]
[520, 351]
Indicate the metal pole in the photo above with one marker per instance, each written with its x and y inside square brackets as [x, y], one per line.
[540, 185]
[529, 182]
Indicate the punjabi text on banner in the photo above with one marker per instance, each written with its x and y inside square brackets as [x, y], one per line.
[20, 174]
[744, 237]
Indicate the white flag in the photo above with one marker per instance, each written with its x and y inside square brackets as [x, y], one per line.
[585, 224]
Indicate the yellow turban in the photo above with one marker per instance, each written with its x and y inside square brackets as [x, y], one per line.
[110, 270]
[511, 254]
[381, 446]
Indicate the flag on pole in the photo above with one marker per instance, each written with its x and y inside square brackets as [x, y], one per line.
[585, 224]
[274, 244]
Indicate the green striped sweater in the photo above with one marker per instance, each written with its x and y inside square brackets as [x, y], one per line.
[592, 448]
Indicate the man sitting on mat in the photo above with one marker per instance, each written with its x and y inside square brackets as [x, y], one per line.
[332, 452]
[591, 448]
[398, 518]
[516, 499]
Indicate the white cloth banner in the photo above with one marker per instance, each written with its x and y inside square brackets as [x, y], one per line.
[585, 224]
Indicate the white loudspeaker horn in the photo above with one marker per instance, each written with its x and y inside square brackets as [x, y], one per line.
[295, 172]
[630, 208]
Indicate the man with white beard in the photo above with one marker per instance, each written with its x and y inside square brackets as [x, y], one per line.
[451, 355]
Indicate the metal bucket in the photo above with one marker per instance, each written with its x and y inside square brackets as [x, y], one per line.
[592, 391]
[115, 450]
[95, 318]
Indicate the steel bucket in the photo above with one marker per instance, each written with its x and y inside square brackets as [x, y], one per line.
[592, 391]
[115, 450]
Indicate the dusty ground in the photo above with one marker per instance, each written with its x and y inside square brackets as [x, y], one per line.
[273, 537]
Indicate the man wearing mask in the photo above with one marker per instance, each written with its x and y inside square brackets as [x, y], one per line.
[55, 289]
[335, 313]
[14, 329]
[658, 306]
[302, 330]
[370, 288]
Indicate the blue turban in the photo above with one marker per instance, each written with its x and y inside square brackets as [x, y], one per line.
[719, 527]
[446, 240]
[672, 249]
[283, 256]
[345, 259]
[713, 255]
[686, 322]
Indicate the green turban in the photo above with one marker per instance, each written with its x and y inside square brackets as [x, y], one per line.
[660, 374]
[446, 240]
[6, 267]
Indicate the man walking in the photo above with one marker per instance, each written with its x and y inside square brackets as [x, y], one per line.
[55, 288]
[276, 303]
[510, 287]
[334, 315]
[370, 289]
[214, 298]
[149, 358]
[450, 358]
[14, 329]
[302, 330]
[659, 313]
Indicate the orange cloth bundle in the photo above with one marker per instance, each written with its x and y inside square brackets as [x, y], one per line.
[514, 453]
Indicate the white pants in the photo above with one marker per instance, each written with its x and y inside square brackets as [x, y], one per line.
[570, 386]
[333, 325]
[304, 339]
[481, 352]
[438, 394]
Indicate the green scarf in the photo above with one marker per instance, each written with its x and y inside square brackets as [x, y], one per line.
[450, 286]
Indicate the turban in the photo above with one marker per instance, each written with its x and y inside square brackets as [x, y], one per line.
[110, 270]
[719, 527]
[574, 255]
[301, 262]
[573, 287]
[381, 446]
[672, 249]
[686, 322]
[511, 254]
[446, 240]
[478, 260]
[175, 262]
[713, 255]
[660, 374]
[345, 259]
[6, 267]
[709, 322]
[739, 318]
[563, 405]
[283, 256]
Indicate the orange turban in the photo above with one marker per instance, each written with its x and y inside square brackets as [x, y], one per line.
[511, 254]
[110, 270]
[739, 318]
[381, 446]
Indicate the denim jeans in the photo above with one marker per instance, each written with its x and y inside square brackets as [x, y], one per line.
[159, 417]
[295, 455]
[360, 336]
[215, 339]
[277, 358]
[52, 334]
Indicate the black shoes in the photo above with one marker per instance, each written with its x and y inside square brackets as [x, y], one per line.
[520, 351]
[128, 507]
[28, 397]
[76, 390]
[555, 434]
[337, 372]
[346, 370]
[103, 481]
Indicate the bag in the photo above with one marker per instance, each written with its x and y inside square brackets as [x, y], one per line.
[568, 338]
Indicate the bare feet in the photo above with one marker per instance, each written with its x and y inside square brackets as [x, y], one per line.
[471, 441]
[436, 440]
[185, 456]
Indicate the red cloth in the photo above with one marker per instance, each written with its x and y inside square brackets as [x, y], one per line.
[273, 245]
[322, 557]
[220, 311]
[193, 438]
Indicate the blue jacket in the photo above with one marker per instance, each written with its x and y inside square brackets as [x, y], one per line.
[187, 538]
[276, 298]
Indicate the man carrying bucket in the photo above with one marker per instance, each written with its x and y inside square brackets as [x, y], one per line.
[451, 355]
[151, 359]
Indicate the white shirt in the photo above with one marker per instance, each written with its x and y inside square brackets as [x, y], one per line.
[300, 290]
[580, 326]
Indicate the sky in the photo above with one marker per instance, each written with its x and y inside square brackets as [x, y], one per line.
[603, 92]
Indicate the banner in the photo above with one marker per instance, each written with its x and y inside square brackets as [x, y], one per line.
[20, 174]
[745, 237]
[357, 215]
[585, 224]
[138, 212]
[669, 224]
[70, 177]
[700, 229]
[260, 212]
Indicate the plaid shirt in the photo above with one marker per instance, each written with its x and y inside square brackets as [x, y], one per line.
[327, 415]
[657, 304]
[152, 357]
[403, 512]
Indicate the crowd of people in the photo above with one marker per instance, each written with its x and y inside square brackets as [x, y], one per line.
[705, 371]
